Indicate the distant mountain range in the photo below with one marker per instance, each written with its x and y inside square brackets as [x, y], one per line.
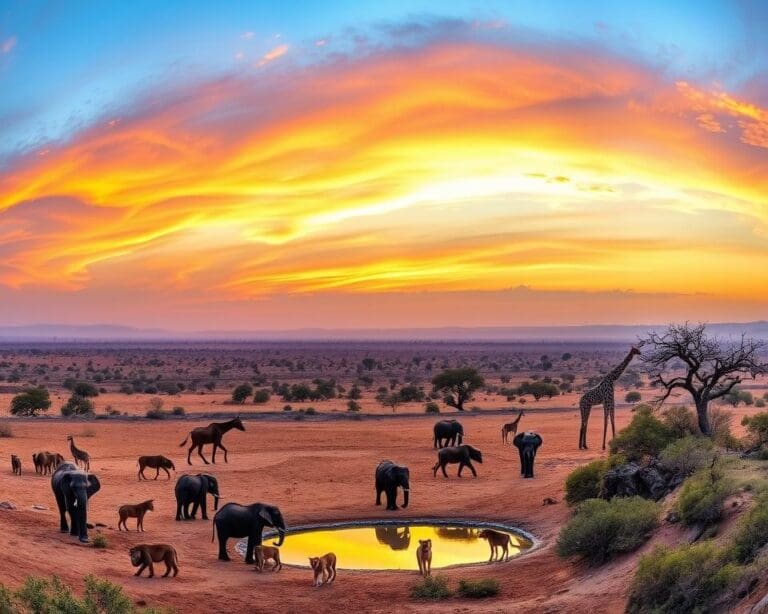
[107, 332]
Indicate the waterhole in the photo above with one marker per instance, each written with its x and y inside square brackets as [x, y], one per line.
[392, 545]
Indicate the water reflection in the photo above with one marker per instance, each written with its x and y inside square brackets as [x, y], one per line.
[397, 538]
[392, 546]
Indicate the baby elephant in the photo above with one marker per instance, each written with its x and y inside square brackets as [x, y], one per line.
[424, 557]
[16, 464]
[143, 555]
[496, 541]
[324, 568]
[463, 455]
[136, 511]
[265, 553]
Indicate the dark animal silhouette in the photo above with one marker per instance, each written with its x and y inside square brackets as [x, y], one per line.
[210, 434]
[499, 543]
[447, 432]
[193, 490]
[157, 463]
[72, 489]
[136, 511]
[236, 520]
[81, 456]
[16, 464]
[397, 538]
[389, 477]
[527, 444]
[463, 455]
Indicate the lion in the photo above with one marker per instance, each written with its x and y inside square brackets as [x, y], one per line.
[496, 541]
[324, 568]
[265, 553]
[143, 555]
[424, 557]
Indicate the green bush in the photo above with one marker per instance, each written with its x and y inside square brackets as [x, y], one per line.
[30, 401]
[431, 408]
[687, 579]
[686, 456]
[261, 396]
[681, 421]
[77, 406]
[431, 588]
[585, 482]
[241, 393]
[310, 411]
[479, 589]
[178, 411]
[645, 435]
[100, 541]
[752, 532]
[702, 497]
[601, 529]
[633, 397]
[353, 405]
[156, 413]
[757, 427]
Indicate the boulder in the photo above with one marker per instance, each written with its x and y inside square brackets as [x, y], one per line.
[630, 480]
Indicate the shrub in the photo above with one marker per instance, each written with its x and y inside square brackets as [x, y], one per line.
[757, 427]
[432, 408]
[686, 579]
[720, 420]
[601, 529]
[261, 396]
[241, 393]
[178, 411]
[702, 497]
[5, 430]
[752, 532]
[686, 456]
[479, 589]
[287, 408]
[585, 482]
[100, 541]
[681, 421]
[760, 403]
[156, 414]
[77, 406]
[30, 401]
[432, 588]
[310, 411]
[633, 397]
[353, 405]
[645, 435]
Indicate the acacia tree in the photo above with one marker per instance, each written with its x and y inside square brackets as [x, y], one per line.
[684, 357]
[457, 385]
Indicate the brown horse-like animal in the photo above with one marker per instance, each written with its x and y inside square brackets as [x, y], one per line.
[499, 542]
[136, 511]
[157, 463]
[46, 462]
[16, 464]
[143, 555]
[463, 455]
[210, 434]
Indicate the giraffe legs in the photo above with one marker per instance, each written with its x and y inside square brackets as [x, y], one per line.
[608, 411]
[585, 409]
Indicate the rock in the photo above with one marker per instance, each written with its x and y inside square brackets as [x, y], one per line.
[630, 480]
[7, 505]
[549, 501]
[39, 507]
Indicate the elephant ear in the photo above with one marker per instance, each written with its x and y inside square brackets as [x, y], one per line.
[94, 485]
[266, 515]
[539, 441]
[518, 439]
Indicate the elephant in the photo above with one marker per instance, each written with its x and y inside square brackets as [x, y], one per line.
[235, 520]
[192, 490]
[388, 478]
[72, 489]
[449, 430]
[397, 538]
[527, 443]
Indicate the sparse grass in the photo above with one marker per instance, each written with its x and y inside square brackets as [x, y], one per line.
[178, 411]
[156, 414]
[5, 430]
[87, 432]
[479, 589]
[702, 497]
[432, 588]
[431, 408]
[100, 541]
[752, 533]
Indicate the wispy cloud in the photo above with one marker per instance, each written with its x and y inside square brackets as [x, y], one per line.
[8, 44]
[273, 54]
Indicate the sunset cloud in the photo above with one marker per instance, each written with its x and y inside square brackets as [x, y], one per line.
[447, 167]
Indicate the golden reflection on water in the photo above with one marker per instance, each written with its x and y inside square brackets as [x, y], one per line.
[392, 546]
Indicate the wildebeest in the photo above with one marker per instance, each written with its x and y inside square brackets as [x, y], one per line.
[157, 463]
[463, 455]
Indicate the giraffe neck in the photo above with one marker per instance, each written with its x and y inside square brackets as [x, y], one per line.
[614, 375]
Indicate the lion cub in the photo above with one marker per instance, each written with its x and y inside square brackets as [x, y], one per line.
[265, 553]
[424, 557]
[143, 555]
[324, 568]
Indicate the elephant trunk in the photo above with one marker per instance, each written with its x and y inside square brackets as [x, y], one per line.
[281, 536]
[215, 502]
[461, 438]
[81, 516]
[406, 493]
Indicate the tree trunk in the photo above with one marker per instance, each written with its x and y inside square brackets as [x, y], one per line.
[703, 415]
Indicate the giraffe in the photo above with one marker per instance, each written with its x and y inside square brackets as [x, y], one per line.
[602, 394]
[80, 456]
[510, 427]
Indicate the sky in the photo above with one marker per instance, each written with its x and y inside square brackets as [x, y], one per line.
[225, 165]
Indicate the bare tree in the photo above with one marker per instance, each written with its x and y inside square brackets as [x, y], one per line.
[709, 368]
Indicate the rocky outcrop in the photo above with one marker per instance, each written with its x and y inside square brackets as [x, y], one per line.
[650, 481]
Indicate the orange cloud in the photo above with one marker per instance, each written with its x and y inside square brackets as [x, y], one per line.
[273, 54]
[451, 167]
